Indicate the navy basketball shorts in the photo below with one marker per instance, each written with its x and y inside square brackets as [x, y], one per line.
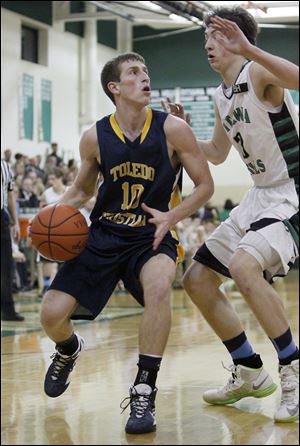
[107, 258]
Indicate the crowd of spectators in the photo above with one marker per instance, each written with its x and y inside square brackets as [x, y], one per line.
[39, 183]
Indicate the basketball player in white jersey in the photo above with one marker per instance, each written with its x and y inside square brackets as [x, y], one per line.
[255, 114]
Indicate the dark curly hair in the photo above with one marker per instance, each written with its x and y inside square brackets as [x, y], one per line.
[240, 16]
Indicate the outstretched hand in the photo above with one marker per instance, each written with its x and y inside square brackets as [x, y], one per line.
[175, 109]
[230, 36]
[162, 222]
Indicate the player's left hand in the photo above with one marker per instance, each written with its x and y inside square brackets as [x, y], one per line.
[230, 36]
[161, 220]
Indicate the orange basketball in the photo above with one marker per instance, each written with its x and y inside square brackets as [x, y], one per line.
[59, 232]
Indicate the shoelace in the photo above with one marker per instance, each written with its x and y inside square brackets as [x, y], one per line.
[58, 363]
[234, 378]
[139, 403]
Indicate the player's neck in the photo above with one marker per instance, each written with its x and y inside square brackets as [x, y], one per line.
[131, 121]
[232, 71]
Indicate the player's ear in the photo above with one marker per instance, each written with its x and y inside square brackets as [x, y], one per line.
[113, 87]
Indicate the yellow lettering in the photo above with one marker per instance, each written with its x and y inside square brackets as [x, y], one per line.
[123, 170]
[113, 172]
[151, 173]
[125, 218]
[135, 170]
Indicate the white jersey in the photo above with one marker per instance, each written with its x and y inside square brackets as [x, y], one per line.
[52, 197]
[266, 138]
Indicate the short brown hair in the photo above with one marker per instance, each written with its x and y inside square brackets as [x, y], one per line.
[111, 70]
[240, 16]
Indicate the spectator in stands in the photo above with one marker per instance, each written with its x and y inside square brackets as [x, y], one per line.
[51, 163]
[33, 166]
[38, 187]
[27, 198]
[208, 213]
[54, 148]
[224, 213]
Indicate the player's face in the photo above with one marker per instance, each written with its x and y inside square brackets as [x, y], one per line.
[134, 82]
[217, 55]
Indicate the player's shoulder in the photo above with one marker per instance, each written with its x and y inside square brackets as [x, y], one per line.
[89, 140]
[175, 124]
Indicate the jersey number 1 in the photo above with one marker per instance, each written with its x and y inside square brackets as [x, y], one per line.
[131, 196]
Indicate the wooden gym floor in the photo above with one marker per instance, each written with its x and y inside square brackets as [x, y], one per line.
[88, 413]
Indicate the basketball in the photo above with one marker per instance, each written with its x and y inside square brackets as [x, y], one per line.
[59, 232]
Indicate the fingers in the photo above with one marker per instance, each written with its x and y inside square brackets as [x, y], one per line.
[164, 107]
[146, 208]
[150, 211]
[224, 25]
[156, 242]
[171, 107]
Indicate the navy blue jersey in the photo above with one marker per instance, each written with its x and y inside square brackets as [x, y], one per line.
[133, 173]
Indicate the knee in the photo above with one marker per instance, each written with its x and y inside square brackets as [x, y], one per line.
[159, 292]
[48, 319]
[191, 282]
[196, 280]
[51, 315]
[244, 274]
[237, 270]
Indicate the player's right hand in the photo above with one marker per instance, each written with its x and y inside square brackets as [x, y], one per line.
[175, 109]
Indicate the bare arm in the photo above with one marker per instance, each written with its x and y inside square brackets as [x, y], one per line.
[180, 135]
[84, 184]
[182, 139]
[216, 149]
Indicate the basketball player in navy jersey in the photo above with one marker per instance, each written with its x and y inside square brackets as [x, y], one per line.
[139, 153]
[260, 239]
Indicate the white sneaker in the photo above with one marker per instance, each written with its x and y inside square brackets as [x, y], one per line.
[289, 405]
[243, 383]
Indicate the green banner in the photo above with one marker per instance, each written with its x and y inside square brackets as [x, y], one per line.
[45, 118]
[26, 116]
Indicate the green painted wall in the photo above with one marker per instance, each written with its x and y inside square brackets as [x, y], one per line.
[76, 27]
[41, 11]
[107, 33]
[180, 60]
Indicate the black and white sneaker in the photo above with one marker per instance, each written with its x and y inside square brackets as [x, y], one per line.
[57, 378]
[142, 414]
